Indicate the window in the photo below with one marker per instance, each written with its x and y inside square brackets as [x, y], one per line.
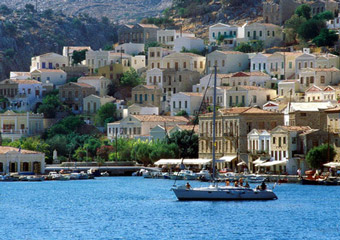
[248, 34]
[186, 104]
[179, 104]
[201, 64]
[180, 78]
[136, 97]
[254, 99]
[152, 97]
[146, 97]
[195, 64]
[222, 63]
[260, 33]
[268, 33]
[273, 34]
[284, 140]
[254, 66]
[185, 65]
[274, 140]
[311, 80]
[230, 101]
[236, 99]
[311, 64]
[174, 104]
[290, 65]
[243, 102]
[300, 65]
[322, 79]
[301, 80]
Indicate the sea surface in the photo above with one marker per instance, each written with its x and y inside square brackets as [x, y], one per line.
[138, 208]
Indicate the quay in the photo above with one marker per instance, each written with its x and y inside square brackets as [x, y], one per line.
[112, 170]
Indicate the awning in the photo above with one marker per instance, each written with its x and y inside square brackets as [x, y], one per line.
[272, 163]
[185, 161]
[332, 164]
[258, 161]
[227, 158]
[241, 163]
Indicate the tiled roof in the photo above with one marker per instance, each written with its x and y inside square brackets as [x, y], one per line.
[4, 150]
[148, 25]
[50, 70]
[253, 88]
[21, 73]
[333, 69]
[193, 94]
[92, 78]
[295, 128]
[85, 85]
[157, 118]
[189, 127]
[245, 110]
[230, 52]
[26, 81]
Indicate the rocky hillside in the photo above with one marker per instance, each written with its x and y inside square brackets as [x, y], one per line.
[198, 15]
[25, 33]
[118, 10]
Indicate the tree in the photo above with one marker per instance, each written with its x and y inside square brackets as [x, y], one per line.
[310, 29]
[29, 8]
[303, 11]
[317, 156]
[327, 15]
[66, 126]
[131, 78]
[78, 56]
[104, 152]
[4, 10]
[295, 22]
[326, 38]
[163, 150]
[91, 145]
[244, 47]
[48, 13]
[182, 113]
[187, 143]
[105, 114]
[50, 105]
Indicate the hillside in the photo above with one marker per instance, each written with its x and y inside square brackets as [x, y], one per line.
[25, 33]
[118, 10]
[197, 15]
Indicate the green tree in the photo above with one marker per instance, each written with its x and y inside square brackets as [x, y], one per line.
[163, 150]
[66, 126]
[303, 11]
[295, 22]
[327, 15]
[48, 13]
[244, 47]
[141, 151]
[78, 56]
[317, 156]
[29, 8]
[220, 39]
[9, 53]
[187, 143]
[50, 105]
[104, 152]
[326, 38]
[59, 143]
[4, 10]
[106, 114]
[182, 113]
[131, 78]
[310, 29]
[91, 145]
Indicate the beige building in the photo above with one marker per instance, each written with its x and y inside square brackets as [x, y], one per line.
[147, 94]
[278, 11]
[155, 56]
[138, 33]
[319, 77]
[72, 94]
[48, 61]
[227, 61]
[184, 61]
[93, 102]
[232, 127]
[17, 125]
[15, 160]
[259, 79]
[139, 126]
[100, 83]
[317, 94]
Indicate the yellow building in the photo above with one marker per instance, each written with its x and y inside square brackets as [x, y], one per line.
[16, 125]
[113, 71]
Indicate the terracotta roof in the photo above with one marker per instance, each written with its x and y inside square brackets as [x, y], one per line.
[189, 127]
[253, 88]
[50, 70]
[26, 81]
[147, 25]
[157, 118]
[85, 85]
[193, 94]
[269, 25]
[333, 69]
[92, 78]
[295, 128]
[245, 110]
[230, 52]
[4, 150]
[150, 86]
[21, 73]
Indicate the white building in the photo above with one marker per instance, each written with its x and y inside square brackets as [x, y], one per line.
[100, 83]
[68, 51]
[143, 109]
[189, 43]
[138, 62]
[258, 141]
[167, 37]
[20, 75]
[334, 24]
[320, 94]
[186, 101]
[227, 61]
[48, 61]
[228, 32]
[270, 34]
[130, 48]
[55, 76]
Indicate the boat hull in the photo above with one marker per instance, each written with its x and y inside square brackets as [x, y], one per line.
[314, 182]
[227, 194]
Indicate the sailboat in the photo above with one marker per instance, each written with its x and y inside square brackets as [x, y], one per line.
[218, 192]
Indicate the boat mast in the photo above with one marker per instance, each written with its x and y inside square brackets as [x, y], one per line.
[214, 126]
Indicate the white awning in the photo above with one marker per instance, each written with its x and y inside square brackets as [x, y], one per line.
[185, 161]
[272, 163]
[258, 161]
[241, 163]
[332, 164]
[227, 158]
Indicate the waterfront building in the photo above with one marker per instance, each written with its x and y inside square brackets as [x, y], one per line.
[139, 126]
[322, 94]
[113, 72]
[16, 125]
[155, 56]
[21, 161]
[232, 127]
[20, 75]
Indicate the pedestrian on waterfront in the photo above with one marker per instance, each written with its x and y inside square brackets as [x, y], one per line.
[299, 172]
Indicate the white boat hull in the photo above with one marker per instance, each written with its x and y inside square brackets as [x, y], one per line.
[222, 194]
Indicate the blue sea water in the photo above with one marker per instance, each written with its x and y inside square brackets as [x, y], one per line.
[137, 208]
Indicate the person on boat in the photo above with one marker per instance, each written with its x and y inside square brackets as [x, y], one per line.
[263, 186]
[241, 182]
[246, 185]
[236, 183]
[188, 185]
[299, 172]
[227, 182]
